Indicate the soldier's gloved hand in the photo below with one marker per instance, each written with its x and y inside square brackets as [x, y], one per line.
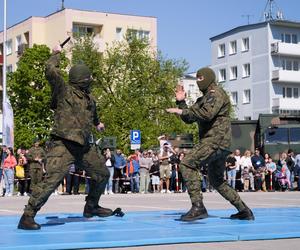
[100, 127]
[56, 49]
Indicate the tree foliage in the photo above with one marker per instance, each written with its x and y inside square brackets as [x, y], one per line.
[133, 86]
[29, 94]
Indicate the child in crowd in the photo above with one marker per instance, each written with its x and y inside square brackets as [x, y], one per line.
[246, 178]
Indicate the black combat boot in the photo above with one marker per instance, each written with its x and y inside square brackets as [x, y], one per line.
[28, 223]
[197, 211]
[91, 210]
[245, 214]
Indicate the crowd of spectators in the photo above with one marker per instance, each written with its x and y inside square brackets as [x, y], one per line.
[152, 171]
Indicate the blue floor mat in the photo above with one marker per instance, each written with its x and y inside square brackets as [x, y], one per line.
[71, 231]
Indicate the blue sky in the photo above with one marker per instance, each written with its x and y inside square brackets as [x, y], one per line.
[184, 26]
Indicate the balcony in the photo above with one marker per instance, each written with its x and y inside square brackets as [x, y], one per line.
[280, 75]
[288, 49]
[286, 106]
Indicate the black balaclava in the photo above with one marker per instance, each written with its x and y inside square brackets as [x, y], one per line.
[80, 77]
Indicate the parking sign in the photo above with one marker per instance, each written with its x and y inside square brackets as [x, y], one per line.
[135, 139]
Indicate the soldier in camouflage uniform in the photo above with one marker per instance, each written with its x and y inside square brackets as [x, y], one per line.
[36, 158]
[211, 112]
[74, 116]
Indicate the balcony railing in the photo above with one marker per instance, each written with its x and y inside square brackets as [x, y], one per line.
[286, 106]
[280, 75]
[289, 49]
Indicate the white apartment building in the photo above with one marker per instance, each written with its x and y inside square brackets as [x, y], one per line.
[191, 88]
[259, 65]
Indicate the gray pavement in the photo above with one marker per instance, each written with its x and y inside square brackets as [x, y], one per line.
[155, 202]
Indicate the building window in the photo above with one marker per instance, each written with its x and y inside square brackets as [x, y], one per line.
[233, 73]
[140, 34]
[245, 44]
[295, 92]
[246, 118]
[18, 42]
[9, 68]
[119, 34]
[289, 38]
[294, 38]
[290, 64]
[232, 48]
[246, 96]
[246, 70]
[221, 50]
[234, 98]
[8, 47]
[222, 75]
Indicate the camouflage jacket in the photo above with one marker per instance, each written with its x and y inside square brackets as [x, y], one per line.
[33, 153]
[74, 111]
[211, 112]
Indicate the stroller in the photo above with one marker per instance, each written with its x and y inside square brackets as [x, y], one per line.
[281, 181]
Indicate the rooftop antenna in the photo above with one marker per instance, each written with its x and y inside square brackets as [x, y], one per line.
[248, 18]
[269, 15]
[62, 4]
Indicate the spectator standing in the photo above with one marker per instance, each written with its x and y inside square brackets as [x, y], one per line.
[2, 184]
[145, 165]
[290, 162]
[238, 176]
[297, 170]
[109, 163]
[246, 178]
[8, 167]
[132, 171]
[246, 162]
[120, 163]
[72, 180]
[258, 163]
[231, 170]
[271, 168]
[20, 174]
[154, 173]
[36, 158]
[165, 167]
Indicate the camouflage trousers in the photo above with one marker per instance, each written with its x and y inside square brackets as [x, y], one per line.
[36, 176]
[215, 163]
[60, 156]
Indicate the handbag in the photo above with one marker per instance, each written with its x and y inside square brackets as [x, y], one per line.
[20, 171]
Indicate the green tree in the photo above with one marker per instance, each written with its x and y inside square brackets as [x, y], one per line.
[29, 94]
[133, 85]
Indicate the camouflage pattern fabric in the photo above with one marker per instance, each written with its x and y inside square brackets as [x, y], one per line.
[75, 111]
[35, 167]
[61, 155]
[75, 114]
[211, 112]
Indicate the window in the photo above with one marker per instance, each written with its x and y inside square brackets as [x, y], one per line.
[232, 48]
[221, 50]
[295, 65]
[290, 64]
[234, 98]
[246, 118]
[18, 42]
[82, 29]
[245, 44]
[274, 135]
[289, 92]
[119, 34]
[295, 92]
[9, 68]
[246, 96]
[289, 38]
[233, 73]
[295, 134]
[140, 34]
[246, 70]
[8, 47]
[294, 38]
[222, 75]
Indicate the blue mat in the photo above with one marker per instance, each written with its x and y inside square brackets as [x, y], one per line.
[71, 231]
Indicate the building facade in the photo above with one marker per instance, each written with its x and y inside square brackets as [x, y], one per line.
[259, 65]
